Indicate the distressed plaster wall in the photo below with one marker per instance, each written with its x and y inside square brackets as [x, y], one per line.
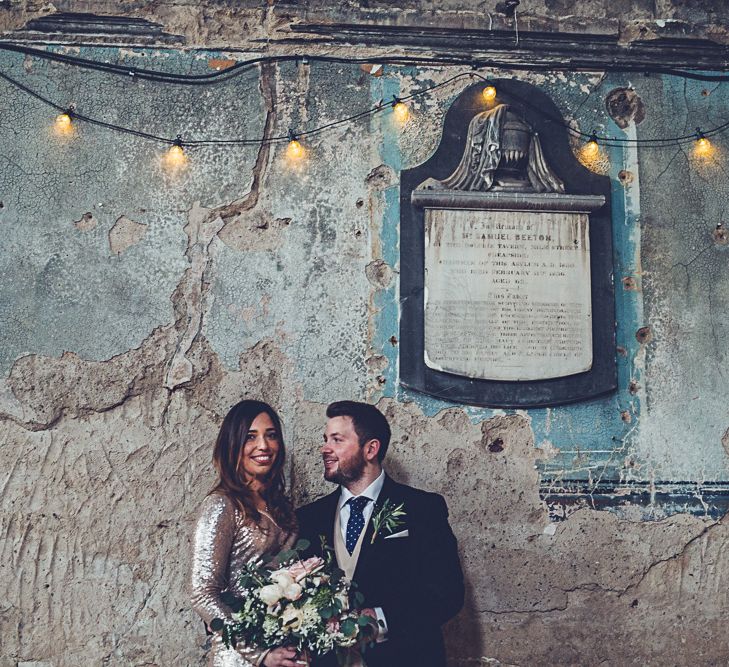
[226, 23]
[136, 307]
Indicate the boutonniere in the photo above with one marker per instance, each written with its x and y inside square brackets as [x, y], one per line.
[388, 517]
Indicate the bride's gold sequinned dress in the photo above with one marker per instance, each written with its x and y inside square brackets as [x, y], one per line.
[224, 542]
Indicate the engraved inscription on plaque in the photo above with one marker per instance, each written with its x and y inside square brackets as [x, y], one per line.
[507, 293]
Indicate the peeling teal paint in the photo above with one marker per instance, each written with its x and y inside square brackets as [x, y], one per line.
[386, 301]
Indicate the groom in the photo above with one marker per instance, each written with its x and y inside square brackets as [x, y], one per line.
[408, 569]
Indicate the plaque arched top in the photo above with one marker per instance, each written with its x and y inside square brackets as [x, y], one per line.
[537, 110]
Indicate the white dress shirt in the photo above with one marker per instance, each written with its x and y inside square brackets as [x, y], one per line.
[372, 492]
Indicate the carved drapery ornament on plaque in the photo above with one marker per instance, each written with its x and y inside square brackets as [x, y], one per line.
[507, 271]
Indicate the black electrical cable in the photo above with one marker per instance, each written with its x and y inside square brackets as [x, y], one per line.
[229, 142]
[81, 117]
[605, 141]
[215, 77]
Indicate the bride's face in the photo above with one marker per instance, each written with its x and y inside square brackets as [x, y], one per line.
[260, 449]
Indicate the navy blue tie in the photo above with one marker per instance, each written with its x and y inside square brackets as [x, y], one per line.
[356, 521]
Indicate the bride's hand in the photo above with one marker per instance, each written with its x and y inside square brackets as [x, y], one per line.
[282, 657]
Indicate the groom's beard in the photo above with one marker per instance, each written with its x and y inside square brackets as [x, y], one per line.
[350, 470]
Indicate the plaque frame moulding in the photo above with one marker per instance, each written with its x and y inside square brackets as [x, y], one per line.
[507, 157]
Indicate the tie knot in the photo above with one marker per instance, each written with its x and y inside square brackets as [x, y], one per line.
[359, 503]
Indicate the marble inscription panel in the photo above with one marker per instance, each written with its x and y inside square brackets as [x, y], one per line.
[507, 293]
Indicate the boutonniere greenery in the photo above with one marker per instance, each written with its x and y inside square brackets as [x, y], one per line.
[388, 518]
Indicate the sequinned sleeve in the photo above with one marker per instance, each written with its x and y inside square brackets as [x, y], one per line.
[215, 534]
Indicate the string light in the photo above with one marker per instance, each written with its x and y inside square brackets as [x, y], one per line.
[605, 141]
[400, 110]
[489, 94]
[176, 158]
[592, 156]
[703, 147]
[591, 148]
[294, 151]
[64, 122]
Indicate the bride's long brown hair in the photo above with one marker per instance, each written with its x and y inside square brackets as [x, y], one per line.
[227, 456]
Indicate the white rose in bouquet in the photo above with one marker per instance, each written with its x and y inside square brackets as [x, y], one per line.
[293, 592]
[271, 594]
[282, 578]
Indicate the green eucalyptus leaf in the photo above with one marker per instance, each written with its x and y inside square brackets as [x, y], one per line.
[217, 624]
[348, 627]
[302, 545]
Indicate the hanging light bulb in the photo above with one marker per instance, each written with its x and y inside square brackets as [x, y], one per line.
[294, 151]
[592, 155]
[489, 94]
[591, 148]
[176, 158]
[64, 122]
[400, 109]
[704, 147]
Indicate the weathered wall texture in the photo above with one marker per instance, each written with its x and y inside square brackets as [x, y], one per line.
[228, 23]
[136, 307]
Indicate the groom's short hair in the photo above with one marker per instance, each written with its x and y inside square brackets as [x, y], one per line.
[369, 423]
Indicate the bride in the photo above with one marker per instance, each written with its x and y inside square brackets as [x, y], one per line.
[246, 514]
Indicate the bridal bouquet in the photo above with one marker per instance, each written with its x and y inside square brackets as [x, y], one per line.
[302, 603]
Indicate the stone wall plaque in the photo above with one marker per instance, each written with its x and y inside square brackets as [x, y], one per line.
[507, 294]
[506, 261]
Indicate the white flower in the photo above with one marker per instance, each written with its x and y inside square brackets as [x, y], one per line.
[282, 578]
[271, 594]
[292, 592]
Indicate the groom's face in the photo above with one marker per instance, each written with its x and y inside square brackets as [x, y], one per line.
[343, 456]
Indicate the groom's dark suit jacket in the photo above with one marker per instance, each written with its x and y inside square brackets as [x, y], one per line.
[416, 580]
